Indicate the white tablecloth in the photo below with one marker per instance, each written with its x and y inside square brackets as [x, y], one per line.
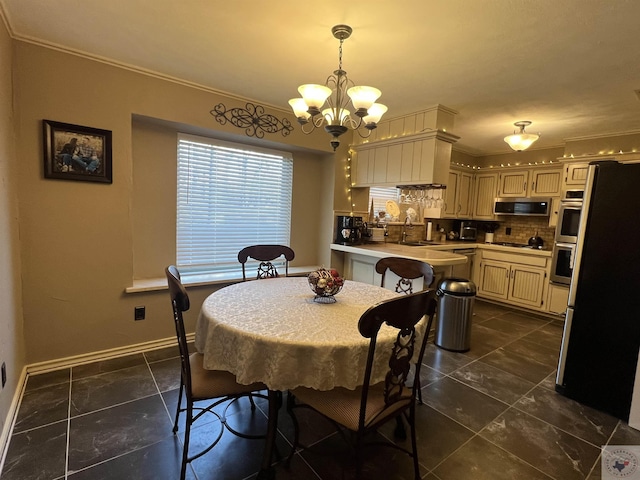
[272, 331]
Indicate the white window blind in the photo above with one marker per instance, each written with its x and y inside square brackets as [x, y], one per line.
[379, 197]
[229, 196]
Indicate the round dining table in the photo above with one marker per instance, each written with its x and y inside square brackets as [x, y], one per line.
[273, 331]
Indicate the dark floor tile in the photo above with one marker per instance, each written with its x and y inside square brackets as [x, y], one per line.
[525, 318]
[485, 340]
[38, 454]
[428, 375]
[108, 389]
[518, 364]
[625, 435]
[442, 360]
[510, 327]
[470, 407]
[162, 354]
[549, 336]
[437, 436]
[166, 373]
[568, 415]
[161, 460]
[332, 459]
[539, 353]
[481, 460]
[549, 381]
[108, 433]
[233, 458]
[484, 310]
[48, 379]
[104, 366]
[43, 406]
[556, 453]
[493, 381]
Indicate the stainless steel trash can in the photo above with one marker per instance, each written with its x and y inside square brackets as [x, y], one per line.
[455, 309]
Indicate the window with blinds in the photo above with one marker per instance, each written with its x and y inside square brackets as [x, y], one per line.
[379, 197]
[229, 196]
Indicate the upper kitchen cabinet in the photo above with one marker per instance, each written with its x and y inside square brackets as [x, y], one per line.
[484, 194]
[457, 203]
[531, 182]
[418, 159]
[575, 175]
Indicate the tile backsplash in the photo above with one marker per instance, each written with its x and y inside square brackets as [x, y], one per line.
[522, 228]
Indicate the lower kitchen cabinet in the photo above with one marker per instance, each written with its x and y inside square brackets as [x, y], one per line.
[512, 282]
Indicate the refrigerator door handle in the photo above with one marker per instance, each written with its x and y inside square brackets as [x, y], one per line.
[565, 345]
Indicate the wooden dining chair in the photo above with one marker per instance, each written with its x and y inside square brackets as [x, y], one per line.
[266, 254]
[198, 384]
[408, 270]
[366, 408]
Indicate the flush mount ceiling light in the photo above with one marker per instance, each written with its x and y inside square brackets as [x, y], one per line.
[336, 92]
[521, 140]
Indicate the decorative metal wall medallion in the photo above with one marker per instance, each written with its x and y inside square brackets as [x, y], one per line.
[252, 119]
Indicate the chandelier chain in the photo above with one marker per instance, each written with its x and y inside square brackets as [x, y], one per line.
[340, 54]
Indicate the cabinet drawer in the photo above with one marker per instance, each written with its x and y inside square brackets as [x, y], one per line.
[531, 260]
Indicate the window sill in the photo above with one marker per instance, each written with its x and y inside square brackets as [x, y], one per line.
[155, 284]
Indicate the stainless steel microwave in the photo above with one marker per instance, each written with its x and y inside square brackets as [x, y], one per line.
[522, 206]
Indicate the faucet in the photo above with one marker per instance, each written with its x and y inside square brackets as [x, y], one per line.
[404, 228]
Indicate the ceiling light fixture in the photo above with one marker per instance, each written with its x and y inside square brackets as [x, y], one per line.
[521, 140]
[336, 92]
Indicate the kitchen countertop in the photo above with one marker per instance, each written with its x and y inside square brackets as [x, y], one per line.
[435, 253]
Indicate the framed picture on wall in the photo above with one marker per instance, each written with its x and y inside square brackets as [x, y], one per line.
[73, 152]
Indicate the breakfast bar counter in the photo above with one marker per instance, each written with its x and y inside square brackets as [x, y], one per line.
[433, 255]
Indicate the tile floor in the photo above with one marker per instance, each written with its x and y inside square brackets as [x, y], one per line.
[490, 413]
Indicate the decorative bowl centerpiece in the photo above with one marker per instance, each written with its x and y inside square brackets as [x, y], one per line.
[325, 284]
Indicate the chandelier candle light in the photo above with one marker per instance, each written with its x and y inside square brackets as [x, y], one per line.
[521, 140]
[336, 92]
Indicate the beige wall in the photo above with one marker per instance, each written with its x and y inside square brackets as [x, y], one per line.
[11, 333]
[84, 243]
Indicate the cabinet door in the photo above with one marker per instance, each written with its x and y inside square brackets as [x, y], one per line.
[360, 168]
[484, 196]
[494, 279]
[526, 285]
[463, 195]
[575, 174]
[450, 205]
[380, 165]
[545, 182]
[513, 183]
[394, 164]
[558, 299]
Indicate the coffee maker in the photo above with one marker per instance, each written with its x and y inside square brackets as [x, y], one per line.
[349, 230]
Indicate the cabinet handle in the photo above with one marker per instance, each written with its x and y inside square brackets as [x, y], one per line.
[524, 188]
[533, 186]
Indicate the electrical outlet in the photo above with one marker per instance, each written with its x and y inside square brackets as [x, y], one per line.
[4, 374]
[138, 313]
[508, 230]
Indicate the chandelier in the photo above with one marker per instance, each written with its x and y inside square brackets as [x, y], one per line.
[521, 140]
[336, 92]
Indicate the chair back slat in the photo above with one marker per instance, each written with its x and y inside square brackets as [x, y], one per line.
[265, 254]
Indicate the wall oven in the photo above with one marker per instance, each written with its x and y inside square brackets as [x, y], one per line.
[562, 263]
[569, 217]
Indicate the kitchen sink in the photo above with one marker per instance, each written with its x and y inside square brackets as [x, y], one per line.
[419, 243]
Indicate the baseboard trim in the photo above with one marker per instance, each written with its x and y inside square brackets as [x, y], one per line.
[74, 361]
[7, 430]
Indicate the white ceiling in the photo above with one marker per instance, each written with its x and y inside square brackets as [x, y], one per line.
[569, 66]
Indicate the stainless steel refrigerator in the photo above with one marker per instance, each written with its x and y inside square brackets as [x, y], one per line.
[599, 353]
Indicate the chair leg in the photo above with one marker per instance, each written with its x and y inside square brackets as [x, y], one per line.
[414, 443]
[253, 404]
[400, 432]
[187, 435]
[175, 424]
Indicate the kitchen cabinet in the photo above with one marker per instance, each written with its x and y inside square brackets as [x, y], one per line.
[512, 278]
[484, 194]
[417, 159]
[575, 175]
[457, 195]
[532, 182]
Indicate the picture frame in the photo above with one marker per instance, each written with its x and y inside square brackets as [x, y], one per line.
[74, 152]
